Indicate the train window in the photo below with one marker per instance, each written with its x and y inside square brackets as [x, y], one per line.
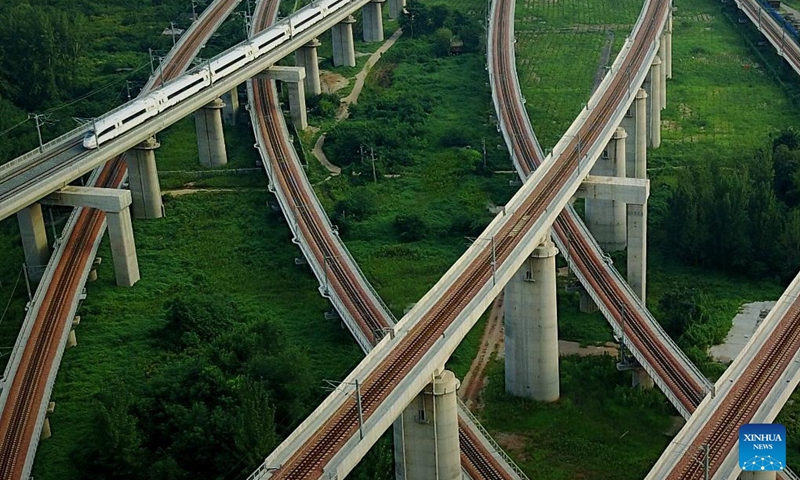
[604, 155]
[187, 87]
[107, 130]
[228, 65]
[629, 114]
[270, 41]
[135, 116]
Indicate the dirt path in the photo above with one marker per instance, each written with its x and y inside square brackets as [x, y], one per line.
[323, 159]
[361, 77]
[492, 342]
[344, 107]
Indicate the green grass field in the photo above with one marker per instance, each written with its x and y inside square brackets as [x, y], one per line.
[600, 428]
[230, 242]
[559, 48]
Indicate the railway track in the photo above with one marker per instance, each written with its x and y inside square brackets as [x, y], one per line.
[309, 460]
[787, 46]
[29, 386]
[677, 374]
[364, 307]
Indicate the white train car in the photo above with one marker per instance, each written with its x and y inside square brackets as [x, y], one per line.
[330, 6]
[186, 86]
[127, 118]
[304, 19]
[173, 93]
[240, 56]
[271, 39]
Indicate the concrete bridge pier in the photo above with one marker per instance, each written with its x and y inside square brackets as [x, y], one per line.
[293, 78]
[210, 136]
[396, 8]
[143, 180]
[652, 85]
[758, 475]
[372, 16]
[306, 58]
[344, 49]
[531, 327]
[606, 218]
[641, 379]
[46, 430]
[231, 109]
[34, 240]
[637, 213]
[115, 203]
[668, 50]
[635, 123]
[662, 54]
[428, 433]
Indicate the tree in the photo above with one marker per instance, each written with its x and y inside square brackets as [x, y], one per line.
[198, 317]
[441, 41]
[115, 449]
[409, 227]
[254, 426]
[39, 50]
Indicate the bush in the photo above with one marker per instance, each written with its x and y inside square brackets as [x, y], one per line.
[409, 227]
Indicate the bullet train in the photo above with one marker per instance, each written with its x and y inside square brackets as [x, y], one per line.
[171, 94]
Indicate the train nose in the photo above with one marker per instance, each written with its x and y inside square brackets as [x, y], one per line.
[90, 141]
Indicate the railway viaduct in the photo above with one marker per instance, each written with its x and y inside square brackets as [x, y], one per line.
[616, 193]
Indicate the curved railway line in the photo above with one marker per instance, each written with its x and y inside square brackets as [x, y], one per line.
[28, 387]
[309, 460]
[589, 260]
[363, 306]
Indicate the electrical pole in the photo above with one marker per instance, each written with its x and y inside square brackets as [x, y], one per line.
[172, 30]
[36, 117]
[374, 176]
[128, 87]
[152, 68]
[484, 153]
[194, 10]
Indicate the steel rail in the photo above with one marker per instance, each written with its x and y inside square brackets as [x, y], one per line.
[31, 372]
[292, 188]
[324, 444]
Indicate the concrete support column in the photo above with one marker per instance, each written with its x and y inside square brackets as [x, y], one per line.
[306, 57]
[531, 327]
[653, 86]
[606, 218]
[46, 431]
[662, 53]
[115, 203]
[297, 105]
[123, 249]
[668, 38]
[396, 8]
[231, 109]
[637, 214]
[210, 136]
[641, 379]
[637, 249]
[429, 433]
[372, 16]
[638, 169]
[34, 240]
[765, 475]
[344, 50]
[143, 180]
[293, 79]
[586, 304]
